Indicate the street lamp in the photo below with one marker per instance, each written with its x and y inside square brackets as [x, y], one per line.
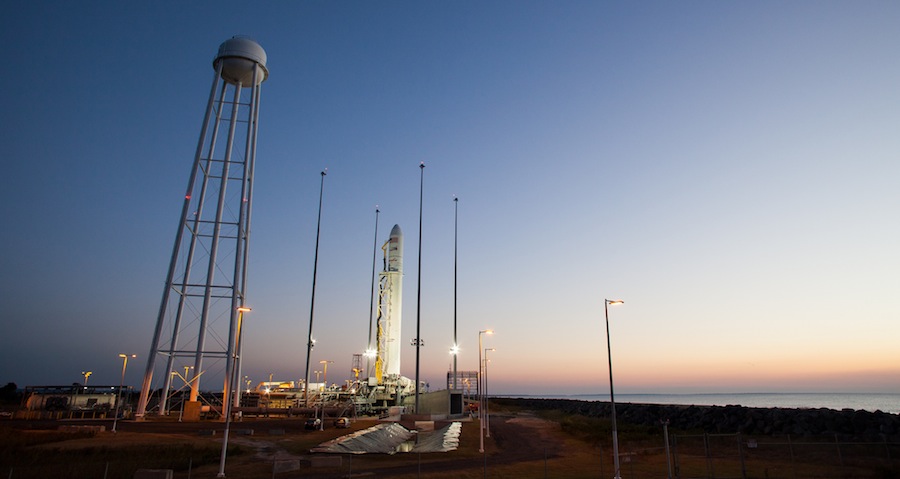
[487, 415]
[121, 384]
[612, 398]
[232, 384]
[187, 382]
[325, 371]
[86, 375]
[169, 397]
[454, 351]
[481, 392]
[325, 381]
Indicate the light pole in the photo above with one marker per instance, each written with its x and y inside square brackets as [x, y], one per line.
[169, 395]
[455, 350]
[370, 350]
[419, 287]
[487, 414]
[121, 385]
[612, 397]
[325, 364]
[312, 302]
[232, 381]
[481, 392]
[187, 383]
[86, 375]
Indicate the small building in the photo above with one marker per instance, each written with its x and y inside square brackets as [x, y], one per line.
[75, 397]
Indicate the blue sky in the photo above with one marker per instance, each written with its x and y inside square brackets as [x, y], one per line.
[729, 169]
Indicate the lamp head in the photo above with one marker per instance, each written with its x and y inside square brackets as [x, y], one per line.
[244, 309]
[614, 301]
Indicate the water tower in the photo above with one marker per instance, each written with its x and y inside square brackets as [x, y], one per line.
[207, 277]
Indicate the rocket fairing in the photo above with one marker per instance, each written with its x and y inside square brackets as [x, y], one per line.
[390, 301]
[394, 255]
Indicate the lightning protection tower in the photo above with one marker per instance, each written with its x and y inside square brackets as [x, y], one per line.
[207, 276]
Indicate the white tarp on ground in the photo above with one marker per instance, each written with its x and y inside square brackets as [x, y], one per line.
[383, 438]
[389, 438]
[443, 440]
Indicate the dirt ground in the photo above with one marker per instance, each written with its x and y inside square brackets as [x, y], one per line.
[514, 439]
[521, 445]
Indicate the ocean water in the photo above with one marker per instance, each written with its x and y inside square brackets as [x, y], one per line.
[884, 402]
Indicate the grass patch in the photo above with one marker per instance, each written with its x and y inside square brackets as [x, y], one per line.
[12, 440]
[41, 454]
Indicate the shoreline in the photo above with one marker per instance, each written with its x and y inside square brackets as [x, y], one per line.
[848, 423]
[872, 402]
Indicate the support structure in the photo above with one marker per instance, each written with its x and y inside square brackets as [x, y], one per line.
[206, 281]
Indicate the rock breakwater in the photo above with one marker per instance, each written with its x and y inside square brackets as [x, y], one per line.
[847, 424]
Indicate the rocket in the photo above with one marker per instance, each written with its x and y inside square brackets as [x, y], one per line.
[390, 301]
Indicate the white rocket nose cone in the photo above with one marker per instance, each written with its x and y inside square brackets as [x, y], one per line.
[395, 250]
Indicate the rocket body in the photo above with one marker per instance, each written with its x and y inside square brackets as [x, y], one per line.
[390, 306]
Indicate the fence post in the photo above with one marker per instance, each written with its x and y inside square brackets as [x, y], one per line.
[675, 455]
[600, 446]
[791, 448]
[545, 462]
[668, 460]
[741, 454]
[709, 472]
[838, 445]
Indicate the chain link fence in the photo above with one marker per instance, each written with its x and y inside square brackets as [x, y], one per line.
[737, 456]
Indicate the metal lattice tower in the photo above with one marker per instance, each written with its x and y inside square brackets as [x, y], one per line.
[207, 276]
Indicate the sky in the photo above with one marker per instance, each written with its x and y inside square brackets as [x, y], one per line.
[727, 169]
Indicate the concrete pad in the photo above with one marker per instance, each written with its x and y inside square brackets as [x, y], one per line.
[285, 466]
[153, 474]
[325, 461]
[424, 425]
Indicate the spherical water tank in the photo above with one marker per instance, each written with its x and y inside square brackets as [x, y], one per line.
[239, 57]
